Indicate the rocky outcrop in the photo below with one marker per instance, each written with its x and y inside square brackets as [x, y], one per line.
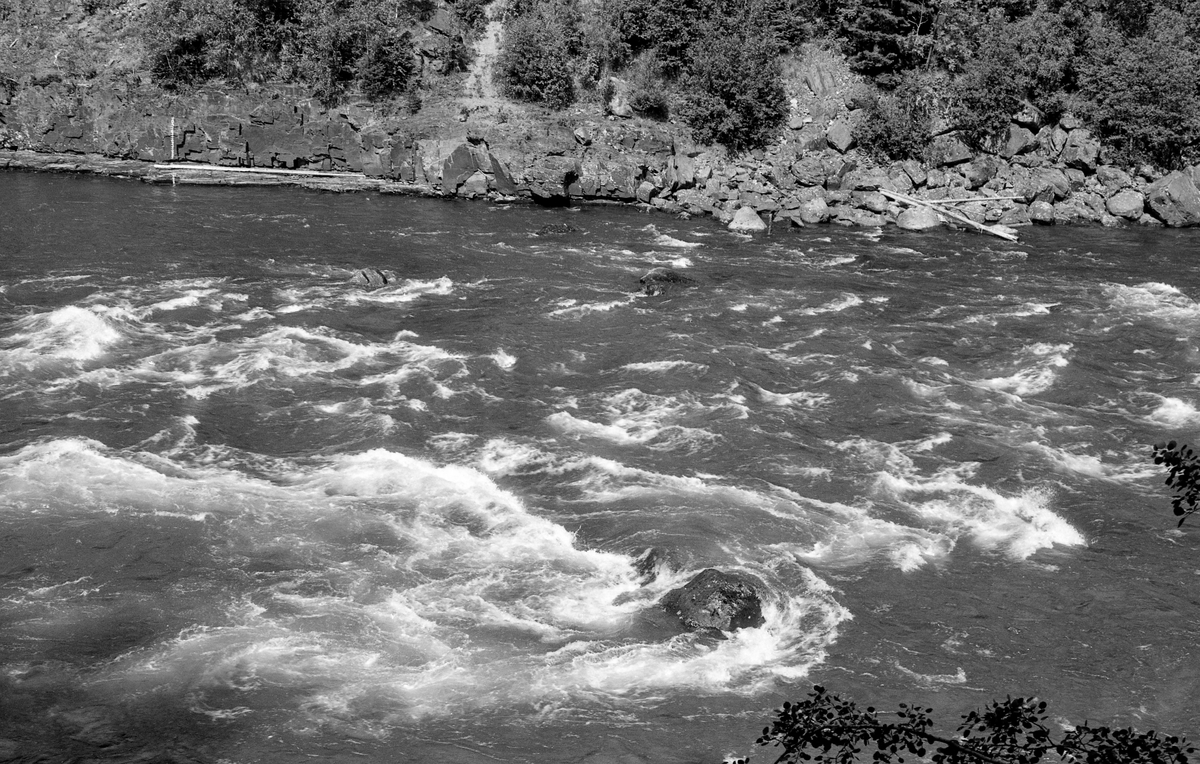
[716, 600]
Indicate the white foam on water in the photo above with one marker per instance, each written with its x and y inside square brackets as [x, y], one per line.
[1017, 525]
[1162, 302]
[502, 359]
[845, 302]
[800, 398]
[79, 475]
[958, 677]
[658, 367]
[462, 599]
[1133, 468]
[409, 290]
[635, 418]
[1038, 372]
[948, 507]
[663, 240]
[72, 334]
[574, 310]
[1175, 413]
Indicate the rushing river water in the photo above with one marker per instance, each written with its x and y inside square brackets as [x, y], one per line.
[252, 513]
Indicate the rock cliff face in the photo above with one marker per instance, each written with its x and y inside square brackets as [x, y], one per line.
[813, 174]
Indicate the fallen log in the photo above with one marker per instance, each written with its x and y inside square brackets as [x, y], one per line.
[977, 199]
[261, 170]
[1004, 232]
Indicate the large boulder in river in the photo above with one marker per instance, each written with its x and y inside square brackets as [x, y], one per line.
[662, 280]
[716, 600]
[1175, 200]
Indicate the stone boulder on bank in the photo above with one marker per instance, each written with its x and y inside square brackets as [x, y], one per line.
[716, 600]
[918, 219]
[1175, 200]
[1126, 203]
[746, 220]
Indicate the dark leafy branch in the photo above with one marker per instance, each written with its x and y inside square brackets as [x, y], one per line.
[827, 729]
[1183, 476]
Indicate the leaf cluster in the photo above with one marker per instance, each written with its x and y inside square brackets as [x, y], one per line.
[827, 729]
[1183, 476]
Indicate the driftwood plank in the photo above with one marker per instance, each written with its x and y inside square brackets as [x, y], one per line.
[1001, 231]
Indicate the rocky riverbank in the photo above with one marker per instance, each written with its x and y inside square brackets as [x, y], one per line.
[1036, 173]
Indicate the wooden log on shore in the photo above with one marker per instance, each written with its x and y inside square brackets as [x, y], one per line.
[1001, 231]
[977, 199]
[187, 167]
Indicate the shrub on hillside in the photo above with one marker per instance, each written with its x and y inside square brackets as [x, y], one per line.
[734, 89]
[898, 124]
[533, 64]
[648, 95]
[388, 64]
[1143, 94]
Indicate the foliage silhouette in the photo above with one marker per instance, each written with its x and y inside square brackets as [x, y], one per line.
[827, 729]
[1183, 465]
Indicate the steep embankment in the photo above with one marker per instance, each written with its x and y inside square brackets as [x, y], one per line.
[467, 141]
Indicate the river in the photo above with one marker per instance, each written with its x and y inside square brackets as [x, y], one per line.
[250, 512]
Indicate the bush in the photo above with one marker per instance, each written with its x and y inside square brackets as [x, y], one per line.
[1143, 94]
[734, 89]
[647, 92]
[534, 64]
[387, 65]
[899, 124]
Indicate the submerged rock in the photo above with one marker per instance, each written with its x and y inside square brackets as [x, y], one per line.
[373, 278]
[716, 600]
[556, 228]
[661, 280]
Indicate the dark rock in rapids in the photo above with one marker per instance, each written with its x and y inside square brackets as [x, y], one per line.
[661, 280]
[373, 278]
[556, 228]
[716, 600]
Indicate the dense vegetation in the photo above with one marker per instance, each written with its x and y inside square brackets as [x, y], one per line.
[329, 44]
[1129, 68]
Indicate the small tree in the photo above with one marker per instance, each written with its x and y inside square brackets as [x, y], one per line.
[827, 729]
